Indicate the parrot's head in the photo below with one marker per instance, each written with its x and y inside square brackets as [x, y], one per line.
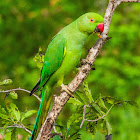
[90, 23]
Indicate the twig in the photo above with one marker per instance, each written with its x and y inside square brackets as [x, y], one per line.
[54, 129]
[100, 117]
[53, 134]
[61, 100]
[95, 119]
[129, 0]
[25, 127]
[84, 111]
[17, 89]
[18, 126]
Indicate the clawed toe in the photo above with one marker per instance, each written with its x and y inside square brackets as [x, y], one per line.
[65, 88]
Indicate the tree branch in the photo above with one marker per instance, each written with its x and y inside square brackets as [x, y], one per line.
[17, 89]
[61, 100]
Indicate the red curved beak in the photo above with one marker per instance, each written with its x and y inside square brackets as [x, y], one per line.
[99, 28]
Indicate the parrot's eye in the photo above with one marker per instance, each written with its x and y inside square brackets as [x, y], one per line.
[92, 20]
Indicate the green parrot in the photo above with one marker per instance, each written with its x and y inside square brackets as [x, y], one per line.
[62, 56]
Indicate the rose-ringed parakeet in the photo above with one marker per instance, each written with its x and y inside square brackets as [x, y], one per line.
[62, 56]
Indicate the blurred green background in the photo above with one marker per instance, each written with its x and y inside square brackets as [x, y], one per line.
[27, 25]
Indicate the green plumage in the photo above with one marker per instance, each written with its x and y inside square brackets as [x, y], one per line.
[62, 56]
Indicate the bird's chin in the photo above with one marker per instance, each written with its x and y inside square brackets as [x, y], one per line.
[96, 30]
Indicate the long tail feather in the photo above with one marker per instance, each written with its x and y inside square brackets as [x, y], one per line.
[36, 87]
[42, 113]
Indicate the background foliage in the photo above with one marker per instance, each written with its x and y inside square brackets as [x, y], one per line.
[27, 25]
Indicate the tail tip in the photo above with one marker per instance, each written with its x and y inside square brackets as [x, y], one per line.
[31, 93]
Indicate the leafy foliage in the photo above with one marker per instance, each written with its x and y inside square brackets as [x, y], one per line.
[6, 82]
[94, 113]
[39, 58]
[13, 95]
[11, 118]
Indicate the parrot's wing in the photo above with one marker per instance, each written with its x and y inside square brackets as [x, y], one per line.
[53, 58]
[52, 61]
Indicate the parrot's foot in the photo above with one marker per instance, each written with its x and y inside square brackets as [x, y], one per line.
[99, 35]
[85, 61]
[65, 88]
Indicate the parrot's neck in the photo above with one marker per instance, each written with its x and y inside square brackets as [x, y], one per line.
[73, 35]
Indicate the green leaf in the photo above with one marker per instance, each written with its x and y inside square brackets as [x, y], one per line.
[13, 95]
[112, 100]
[5, 118]
[39, 59]
[8, 136]
[73, 132]
[14, 135]
[97, 108]
[86, 135]
[99, 136]
[42, 58]
[101, 103]
[109, 128]
[101, 126]
[2, 110]
[40, 49]
[88, 92]
[75, 118]
[13, 110]
[104, 127]
[6, 82]
[5, 123]
[74, 101]
[57, 137]
[2, 133]
[28, 114]
[75, 136]
[81, 96]
[3, 114]
[132, 103]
